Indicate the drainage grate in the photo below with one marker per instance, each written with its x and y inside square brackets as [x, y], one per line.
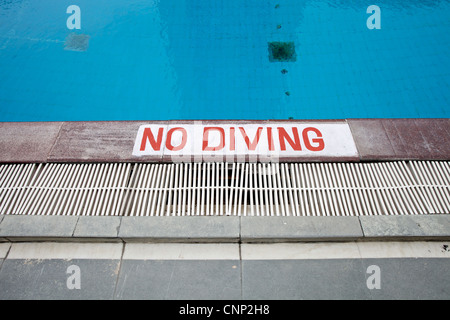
[260, 189]
[63, 189]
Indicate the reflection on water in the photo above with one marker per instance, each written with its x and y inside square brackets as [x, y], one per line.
[397, 4]
[210, 59]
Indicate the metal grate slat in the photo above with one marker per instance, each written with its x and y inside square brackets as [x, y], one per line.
[240, 189]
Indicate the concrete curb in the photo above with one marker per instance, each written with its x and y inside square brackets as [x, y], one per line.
[97, 228]
[219, 229]
[31, 228]
[1, 238]
[406, 227]
[180, 229]
[286, 229]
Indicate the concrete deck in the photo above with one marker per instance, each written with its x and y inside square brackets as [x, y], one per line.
[346, 270]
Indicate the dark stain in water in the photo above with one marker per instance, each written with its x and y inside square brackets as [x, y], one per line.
[282, 52]
[76, 42]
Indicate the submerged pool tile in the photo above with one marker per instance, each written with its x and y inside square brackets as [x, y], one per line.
[282, 52]
[77, 42]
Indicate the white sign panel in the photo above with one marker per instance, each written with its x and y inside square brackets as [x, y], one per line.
[257, 140]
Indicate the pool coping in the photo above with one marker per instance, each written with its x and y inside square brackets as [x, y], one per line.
[223, 229]
[113, 141]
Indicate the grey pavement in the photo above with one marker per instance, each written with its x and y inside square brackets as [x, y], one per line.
[227, 229]
[29, 279]
[402, 278]
[179, 280]
[226, 271]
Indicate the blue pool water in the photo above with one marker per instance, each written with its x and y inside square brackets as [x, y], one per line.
[209, 59]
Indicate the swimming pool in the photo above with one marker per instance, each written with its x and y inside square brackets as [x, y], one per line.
[179, 59]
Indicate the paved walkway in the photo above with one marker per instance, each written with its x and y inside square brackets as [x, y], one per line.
[226, 271]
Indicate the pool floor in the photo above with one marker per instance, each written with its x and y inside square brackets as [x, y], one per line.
[163, 60]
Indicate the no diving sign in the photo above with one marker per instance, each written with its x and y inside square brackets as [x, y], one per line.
[254, 141]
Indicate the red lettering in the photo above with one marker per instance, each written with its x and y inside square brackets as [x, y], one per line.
[206, 135]
[251, 146]
[283, 135]
[320, 142]
[232, 139]
[270, 138]
[148, 135]
[169, 145]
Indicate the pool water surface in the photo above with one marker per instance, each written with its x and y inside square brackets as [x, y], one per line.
[211, 59]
